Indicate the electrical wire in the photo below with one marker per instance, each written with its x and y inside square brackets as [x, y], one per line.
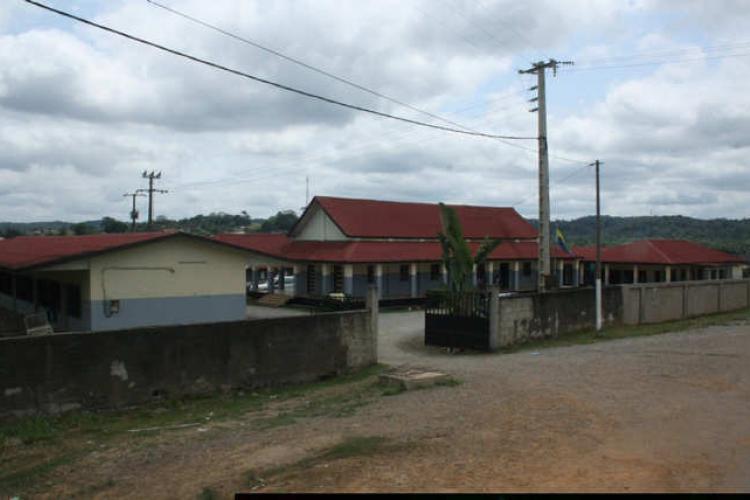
[654, 63]
[272, 83]
[667, 53]
[297, 61]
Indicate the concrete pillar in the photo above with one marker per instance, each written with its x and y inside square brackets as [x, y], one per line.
[371, 303]
[606, 274]
[325, 273]
[474, 275]
[269, 278]
[667, 274]
[561, 271]
[444, 273]
[494, 317]
[576, 272]
[490, 269]
[379, 279]
[516, 276]
[348, 279]
[296, 290]
[413, 275]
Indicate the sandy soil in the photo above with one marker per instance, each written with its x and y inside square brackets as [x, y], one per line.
[668, 413]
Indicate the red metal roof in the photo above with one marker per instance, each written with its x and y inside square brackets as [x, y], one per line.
[32, 251]
[389, 219]
[664, 252]
[353, 252]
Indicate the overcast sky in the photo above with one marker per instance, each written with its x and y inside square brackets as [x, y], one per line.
[83, 112]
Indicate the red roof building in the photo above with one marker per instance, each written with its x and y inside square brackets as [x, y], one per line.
[121, 281]
[658, 260]
[342, 245]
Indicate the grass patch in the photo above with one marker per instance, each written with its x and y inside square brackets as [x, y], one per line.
[26, 477]
[619, 332]
[208, 494]
[32, 447]
[353, 447]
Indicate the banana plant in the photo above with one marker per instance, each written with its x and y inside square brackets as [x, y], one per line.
[457, 257]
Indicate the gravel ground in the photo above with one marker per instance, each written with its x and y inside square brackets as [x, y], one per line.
[667, 413]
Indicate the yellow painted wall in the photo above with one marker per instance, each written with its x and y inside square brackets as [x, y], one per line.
[176, 267]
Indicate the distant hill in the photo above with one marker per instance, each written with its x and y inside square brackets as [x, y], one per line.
[199, 224]
[731, 235]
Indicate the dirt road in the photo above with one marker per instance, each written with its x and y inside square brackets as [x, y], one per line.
[669, 413]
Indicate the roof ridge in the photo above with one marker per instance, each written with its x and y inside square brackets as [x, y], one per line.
[395, 202]
[651, 243]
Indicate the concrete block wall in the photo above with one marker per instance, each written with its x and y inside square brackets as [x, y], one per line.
[535, 316]
[657, 302]
[59, 372]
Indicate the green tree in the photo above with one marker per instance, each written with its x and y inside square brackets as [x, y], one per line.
[81, 228]
[282, 221]
[457, 256]
[11, 232]
[110, 225]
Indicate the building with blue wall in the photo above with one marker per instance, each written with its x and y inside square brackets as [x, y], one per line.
[341, 245]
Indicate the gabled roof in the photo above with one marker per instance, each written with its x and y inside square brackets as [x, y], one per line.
[360, 252]
[24, 252]
[664, 252]
[359, 218]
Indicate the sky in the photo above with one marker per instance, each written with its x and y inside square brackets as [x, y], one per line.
[658, 93]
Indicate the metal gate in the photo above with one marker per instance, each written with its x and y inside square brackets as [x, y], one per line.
[453, 320]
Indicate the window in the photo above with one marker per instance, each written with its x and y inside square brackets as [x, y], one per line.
[434, 272]
[642, 277]
[311, 279]
[404, 272]
[73, 304]
[657, 276]
[527, 268]
[371, 275]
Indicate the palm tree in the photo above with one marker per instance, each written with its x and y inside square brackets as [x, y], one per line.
[457, 257]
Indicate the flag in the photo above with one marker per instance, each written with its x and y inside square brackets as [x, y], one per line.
[561, 240]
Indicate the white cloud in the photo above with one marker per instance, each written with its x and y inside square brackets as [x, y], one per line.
[82, 113]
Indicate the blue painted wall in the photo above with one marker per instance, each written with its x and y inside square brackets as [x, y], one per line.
[169, 311]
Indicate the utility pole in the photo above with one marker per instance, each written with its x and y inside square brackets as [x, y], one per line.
[151, 176]
[544, 270]
[134, 211]
[598, 254]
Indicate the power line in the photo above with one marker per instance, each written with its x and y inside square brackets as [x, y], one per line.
[669, 53]
[274, 84]
[296, 61]
[656, 63]
[335, 77]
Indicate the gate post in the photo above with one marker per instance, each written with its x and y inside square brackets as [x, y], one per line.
[494, 339]
[371, 303]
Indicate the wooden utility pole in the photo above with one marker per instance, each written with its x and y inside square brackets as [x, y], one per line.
[544, 268]
[151, 176]
[134, 211]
